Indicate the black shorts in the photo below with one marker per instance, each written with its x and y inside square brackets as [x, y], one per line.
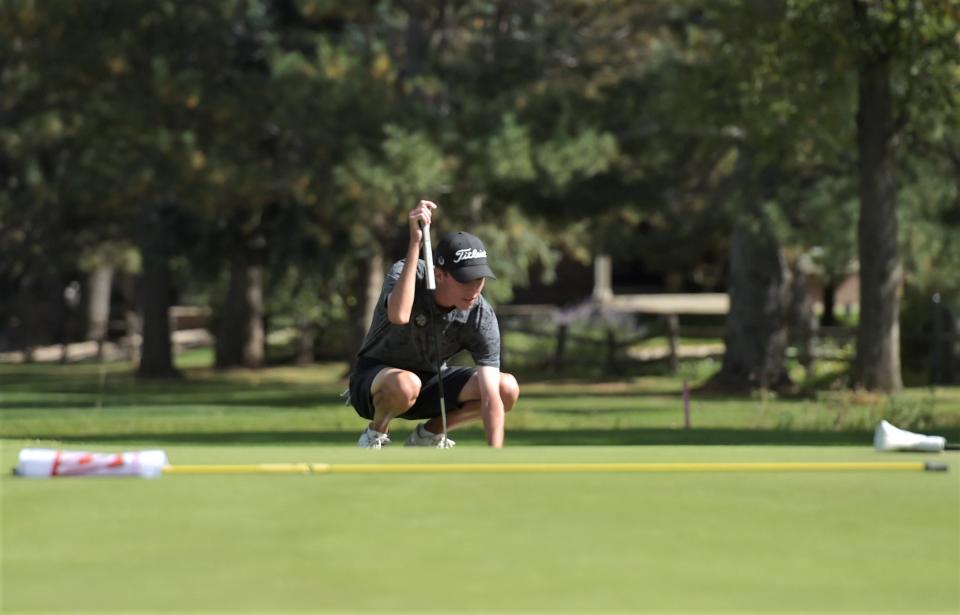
[427, 405]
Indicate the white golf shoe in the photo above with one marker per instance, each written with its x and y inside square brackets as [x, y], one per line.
[422, 437]
[371, 438]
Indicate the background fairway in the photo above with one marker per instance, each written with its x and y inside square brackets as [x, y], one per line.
[88, 403]
[771, 542]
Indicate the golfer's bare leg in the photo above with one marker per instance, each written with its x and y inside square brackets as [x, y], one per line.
[469, 408]
[394, 391]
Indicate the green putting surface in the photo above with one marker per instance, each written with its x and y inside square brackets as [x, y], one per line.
[800, 542]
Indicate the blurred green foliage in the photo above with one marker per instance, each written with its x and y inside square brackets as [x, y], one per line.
[297, 133]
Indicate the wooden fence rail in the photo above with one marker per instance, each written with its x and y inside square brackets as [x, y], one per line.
[548, 322]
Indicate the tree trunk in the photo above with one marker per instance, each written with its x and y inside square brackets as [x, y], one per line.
[602, 278]
[756, 333]
[802, 321]
[829, 317]
[877, 364]
[98, 305]
[133, 323]
[306, 337]
[156, 353]
[369, 282]
[240, 336]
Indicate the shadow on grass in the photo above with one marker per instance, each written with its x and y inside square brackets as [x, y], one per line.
[71, 379]
[515, 437]
[121, 390]
[631, 393]
[147, 403]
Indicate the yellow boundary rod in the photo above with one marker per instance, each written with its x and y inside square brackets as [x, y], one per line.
[555, 468]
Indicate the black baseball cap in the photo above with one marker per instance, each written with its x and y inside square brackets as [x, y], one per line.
[463, 256]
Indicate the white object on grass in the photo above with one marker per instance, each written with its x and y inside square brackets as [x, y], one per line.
[886, 437]
[50, 462]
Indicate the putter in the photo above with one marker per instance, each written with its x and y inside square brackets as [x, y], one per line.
[432, 286]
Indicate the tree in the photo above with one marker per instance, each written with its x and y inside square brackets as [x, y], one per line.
[759, 59]
[59, 197]
[276, 144]
[899, 44]
[878, 334]
[742, 100]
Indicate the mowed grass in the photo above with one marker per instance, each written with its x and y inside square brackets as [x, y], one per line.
[771, 542]
[800, 542]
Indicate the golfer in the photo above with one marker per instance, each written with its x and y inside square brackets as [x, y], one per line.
[396, 374]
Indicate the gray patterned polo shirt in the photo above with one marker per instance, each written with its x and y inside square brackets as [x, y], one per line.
[412, 346]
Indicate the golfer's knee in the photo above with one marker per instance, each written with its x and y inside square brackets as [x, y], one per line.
[399, 392]
[509, 391]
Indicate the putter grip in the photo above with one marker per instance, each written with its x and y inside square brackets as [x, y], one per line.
[428, 255]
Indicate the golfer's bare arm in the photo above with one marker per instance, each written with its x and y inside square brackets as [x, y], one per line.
[400, 301]
[491, 405]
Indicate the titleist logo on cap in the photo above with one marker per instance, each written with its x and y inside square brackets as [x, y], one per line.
[467, 254]
[463, 256]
